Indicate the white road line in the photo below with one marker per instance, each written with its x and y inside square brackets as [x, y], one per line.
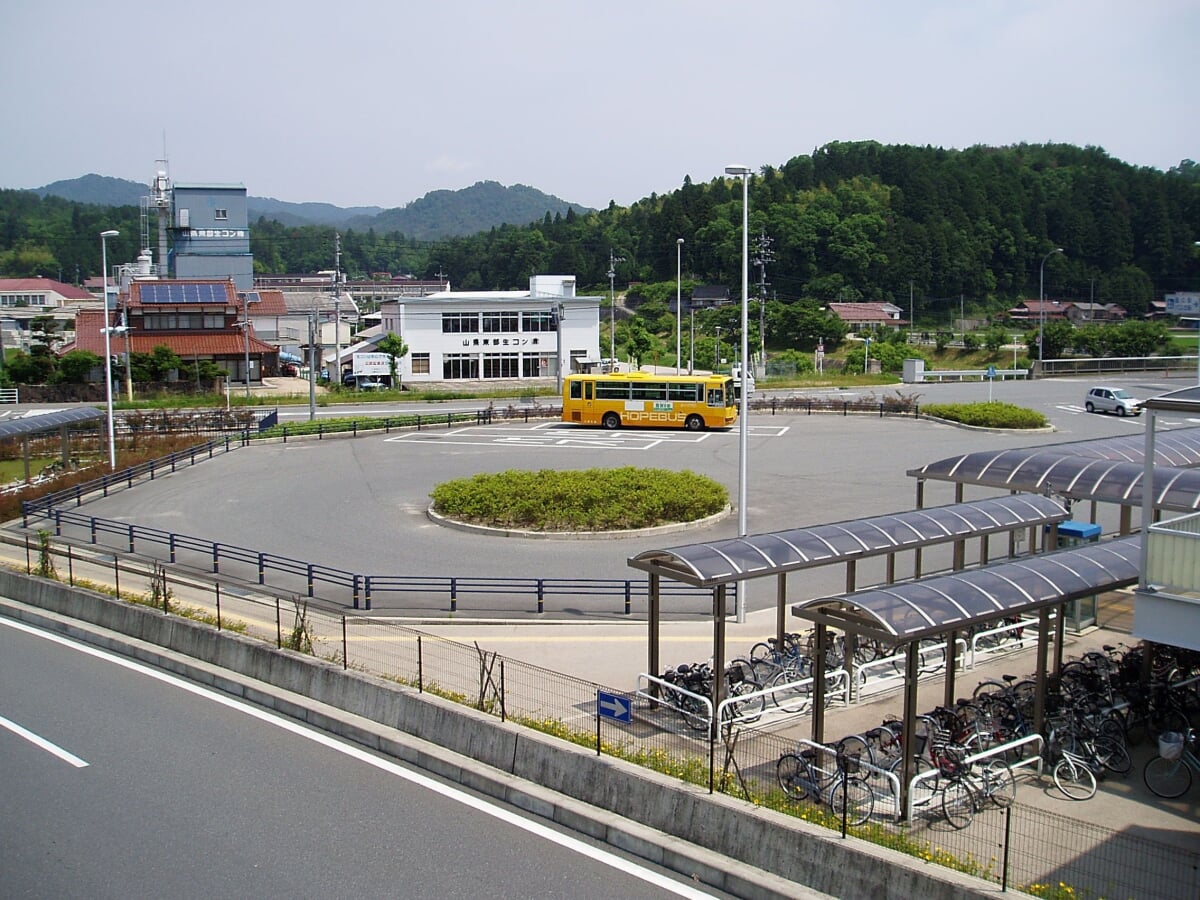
[69, 758]
[450, 793]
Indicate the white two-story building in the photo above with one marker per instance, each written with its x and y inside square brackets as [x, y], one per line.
[497, 335]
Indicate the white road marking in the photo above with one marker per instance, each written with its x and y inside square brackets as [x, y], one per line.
[566, 841]
[54, 749]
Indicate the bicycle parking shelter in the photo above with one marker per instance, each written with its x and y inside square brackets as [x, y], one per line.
[906, 613]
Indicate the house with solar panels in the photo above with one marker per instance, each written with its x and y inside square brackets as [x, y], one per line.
[197, 319]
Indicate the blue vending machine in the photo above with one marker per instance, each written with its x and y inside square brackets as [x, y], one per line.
[1080, 612]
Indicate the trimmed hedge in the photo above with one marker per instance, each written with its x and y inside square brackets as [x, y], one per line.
[587, 500]
[987, 415]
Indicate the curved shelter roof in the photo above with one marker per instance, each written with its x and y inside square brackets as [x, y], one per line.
[1110, 470]
[914, 610]
[735, 559]
[49, 421]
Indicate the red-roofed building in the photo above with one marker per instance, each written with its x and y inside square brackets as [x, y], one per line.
[197, 319]
[39, 293]
[868, 315]
[1037, 311]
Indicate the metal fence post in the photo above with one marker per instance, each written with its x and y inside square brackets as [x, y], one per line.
[1007, 835]
[345, 646]
[217, 592]
[70, 567]
[541, 599]
[278, 625]
[420, 668]
[117, 574]
[628, 596]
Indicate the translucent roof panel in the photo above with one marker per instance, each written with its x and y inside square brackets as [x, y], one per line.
[1109, 470]
[931, 606]
[49, 421]
[734, 559]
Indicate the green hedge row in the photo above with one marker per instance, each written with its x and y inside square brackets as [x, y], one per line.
[987, 415]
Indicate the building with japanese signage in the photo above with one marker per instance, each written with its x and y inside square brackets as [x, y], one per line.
[544, 332]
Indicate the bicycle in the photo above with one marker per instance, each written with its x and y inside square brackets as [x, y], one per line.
[965, 793]
[843, 789]
[1169, 774]
[1074, 774]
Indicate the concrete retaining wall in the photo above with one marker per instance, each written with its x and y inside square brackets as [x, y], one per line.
[769, 841]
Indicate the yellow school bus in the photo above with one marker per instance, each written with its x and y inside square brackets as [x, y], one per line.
[694, 402]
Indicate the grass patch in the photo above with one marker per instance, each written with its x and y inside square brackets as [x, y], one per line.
[987, 415]
[587, 500]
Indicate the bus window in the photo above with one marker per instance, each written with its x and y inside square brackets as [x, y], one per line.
[716, 397]
[587, 391]
[576, 390]
[649, 390]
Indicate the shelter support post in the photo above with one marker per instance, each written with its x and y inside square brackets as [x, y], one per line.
[1060, 626]
[919, 505]
[780, 608]
[959, 492]
[653, 621]
[951, 664]
[908, 740]
[64, 444]
[1039, 701]
[891, 568]
[983, 550]
[960, 556]
[718, 688]
[25, 455]
[818, 714]
[1126, 516]
[851, 575]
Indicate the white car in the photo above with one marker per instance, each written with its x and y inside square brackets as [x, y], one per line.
[1112, 400]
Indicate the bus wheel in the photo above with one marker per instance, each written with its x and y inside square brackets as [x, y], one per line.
[611, 421]
[694, 423]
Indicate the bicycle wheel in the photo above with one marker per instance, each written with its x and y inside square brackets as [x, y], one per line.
[1075, 779]
[695, 714]
[749, 710]
[1167, 778]
[791, 773]
[927, 788]
[999, 784]
[958, 803]
[853, 795]
[791, 700]
[1112, 755]
[855, 745]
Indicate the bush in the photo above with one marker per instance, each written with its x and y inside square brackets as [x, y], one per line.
[987, 415]
[588, 500]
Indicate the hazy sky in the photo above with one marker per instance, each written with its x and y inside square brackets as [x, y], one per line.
[377, 103]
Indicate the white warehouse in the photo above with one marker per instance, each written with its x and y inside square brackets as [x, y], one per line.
[493, 335]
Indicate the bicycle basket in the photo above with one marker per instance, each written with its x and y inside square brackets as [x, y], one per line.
[951, 762]
[848, 762]
[1170, 745]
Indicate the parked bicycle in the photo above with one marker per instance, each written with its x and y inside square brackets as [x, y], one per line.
[967, 789]
[808, 775]
[1169, 774]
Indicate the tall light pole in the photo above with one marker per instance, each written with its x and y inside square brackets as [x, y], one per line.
[1042, 304]
[612, 309]
[743, 393]
[1197, 244]
[678, 303]
[112, 447]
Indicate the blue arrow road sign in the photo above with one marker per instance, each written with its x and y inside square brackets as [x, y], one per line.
[614, 706]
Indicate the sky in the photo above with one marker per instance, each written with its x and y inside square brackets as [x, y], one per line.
[376, 103]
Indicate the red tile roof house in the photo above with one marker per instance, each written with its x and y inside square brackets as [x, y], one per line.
[196, 319]
[869, 315]
[1037, 310]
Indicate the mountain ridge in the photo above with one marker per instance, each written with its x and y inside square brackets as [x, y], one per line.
[438, 214]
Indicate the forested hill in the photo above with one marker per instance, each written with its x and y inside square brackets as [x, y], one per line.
[926, 228]
[438, 214]
[919, 226]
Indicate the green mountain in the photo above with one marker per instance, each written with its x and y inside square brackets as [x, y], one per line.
[438, 214]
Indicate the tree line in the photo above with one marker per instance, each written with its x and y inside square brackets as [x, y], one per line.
[937, 232]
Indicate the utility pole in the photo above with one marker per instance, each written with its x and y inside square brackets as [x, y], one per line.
[337, 308]
[612, 308]
[763, 256]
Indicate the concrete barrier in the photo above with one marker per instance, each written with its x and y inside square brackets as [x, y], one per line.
[768, 854]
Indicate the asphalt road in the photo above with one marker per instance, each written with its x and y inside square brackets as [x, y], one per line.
[360, 504]
[121, 781]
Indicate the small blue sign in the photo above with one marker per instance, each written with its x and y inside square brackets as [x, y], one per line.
[991, 371]
[614, 706]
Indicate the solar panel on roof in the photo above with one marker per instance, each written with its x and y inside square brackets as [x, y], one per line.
[181, 292]
[252, 297]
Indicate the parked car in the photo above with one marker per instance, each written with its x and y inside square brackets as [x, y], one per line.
[1112, 400]
[289, 370]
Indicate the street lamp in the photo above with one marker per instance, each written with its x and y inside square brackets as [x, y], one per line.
[678, 302]
[112, 447]
[1197, 244]
[612, 310]
[1042, 305]
[743, 393]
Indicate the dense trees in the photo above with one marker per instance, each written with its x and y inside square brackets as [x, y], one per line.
[923, 227]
